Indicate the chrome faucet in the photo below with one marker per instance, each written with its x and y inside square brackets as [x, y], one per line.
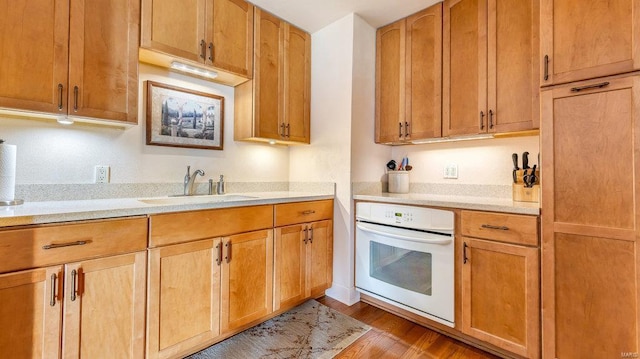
[189, 180]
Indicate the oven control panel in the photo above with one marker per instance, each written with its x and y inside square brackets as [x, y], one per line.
[405, 216]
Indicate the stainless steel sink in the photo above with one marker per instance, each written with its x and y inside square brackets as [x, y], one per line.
[179, 200]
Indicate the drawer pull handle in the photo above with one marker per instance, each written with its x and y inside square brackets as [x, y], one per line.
[589, 87]
[74, 281]
[489, 226]
[53, 290]
[308, 212]
[62, 245]
[60, 88]
[464, 253]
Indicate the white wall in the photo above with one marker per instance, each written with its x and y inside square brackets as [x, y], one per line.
[50, 153]
[328, 158]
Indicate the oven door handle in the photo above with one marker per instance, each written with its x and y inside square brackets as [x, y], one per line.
[376, 229]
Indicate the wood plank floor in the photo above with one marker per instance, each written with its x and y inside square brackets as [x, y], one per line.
[395, 337]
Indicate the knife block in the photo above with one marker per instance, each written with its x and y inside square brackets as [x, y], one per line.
[526, 194]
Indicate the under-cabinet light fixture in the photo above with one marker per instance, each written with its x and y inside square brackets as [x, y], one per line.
[193, 70]
[453, 139]
[64, 120]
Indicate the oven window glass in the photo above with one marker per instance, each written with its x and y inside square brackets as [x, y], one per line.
[403, 268]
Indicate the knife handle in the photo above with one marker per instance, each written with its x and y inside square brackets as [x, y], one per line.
[515, 161]
[525, 160]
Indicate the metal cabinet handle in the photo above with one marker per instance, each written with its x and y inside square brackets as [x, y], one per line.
[211, 51]
[308, 212]
[203, 49]
[62, 245]
[282, 130]
[288, 128]
[489, 226]
[75, 98]
[399, 129]
[311, 235]
[219, 254]
[74, 282]
[546, 67]
[407, 129]
[228, 256]
[490, 119]
[589, 87]
[60, 88]
[52, 302]
[464, 253]
[482, 120]
[306, 234]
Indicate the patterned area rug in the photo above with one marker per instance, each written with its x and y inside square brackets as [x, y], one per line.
[310, 330]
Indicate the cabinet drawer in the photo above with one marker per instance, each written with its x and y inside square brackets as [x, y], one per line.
[55, 244]
[300, 212]
[172, 228]
[510, 228]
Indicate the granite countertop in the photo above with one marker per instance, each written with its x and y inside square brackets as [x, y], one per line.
[492, 204]
[75, 210]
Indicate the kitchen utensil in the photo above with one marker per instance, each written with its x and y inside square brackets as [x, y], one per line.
[532, 176]
[391, 165]
[525, 161]
[515, 167]
[408, 167]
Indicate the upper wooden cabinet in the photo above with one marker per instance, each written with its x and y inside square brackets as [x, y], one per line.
[409, 78]
[81, 60]
[490, 67]
[209, 33]
[579, 42]
[275, 105]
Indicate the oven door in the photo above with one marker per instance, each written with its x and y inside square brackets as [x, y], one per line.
[410, 269]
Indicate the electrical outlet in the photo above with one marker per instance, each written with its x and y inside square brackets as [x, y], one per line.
[451, 171]
[102, 174]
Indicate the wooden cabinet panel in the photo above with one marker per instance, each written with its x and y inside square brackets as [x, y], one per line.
[464, 66]
[232, 36]
[172, 228]
[104, 316]
[290, 250]
[500, 294]
[28, 247]
[320, 257]
[300, 212]
[247, 279]
[589, 239]
[31, 313]
[103, 59]
[390, 72]
[584, 42]
[184, 297]
[297, 84]
[511, 228]
[513, 66]
[44, 48]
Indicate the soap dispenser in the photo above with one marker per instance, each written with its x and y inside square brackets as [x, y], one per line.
[220, 188]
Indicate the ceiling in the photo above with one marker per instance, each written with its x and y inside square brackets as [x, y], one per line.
[313, 15]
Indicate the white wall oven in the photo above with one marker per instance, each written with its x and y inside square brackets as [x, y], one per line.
[404, 256]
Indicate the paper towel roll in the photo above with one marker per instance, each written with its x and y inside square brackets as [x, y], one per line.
[7, 172]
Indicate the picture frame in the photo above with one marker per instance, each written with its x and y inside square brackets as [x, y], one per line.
[179, 117]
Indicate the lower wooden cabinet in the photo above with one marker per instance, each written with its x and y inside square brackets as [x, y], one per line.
[90, 309]
[303, 262]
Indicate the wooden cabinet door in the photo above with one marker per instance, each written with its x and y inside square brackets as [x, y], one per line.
[320, 257]
[464, 67]
[103, 59]
[33, 59]
[513, 69]
[423, 91]
[268, 107]
[589, 144]
[176, 27]
[582, 42]
[247, 278]
[500, 295]
[390, 85]
[31, 313]
[232, 37]
[103, 311]
[184, 297]
[290, 251]
[297, 84]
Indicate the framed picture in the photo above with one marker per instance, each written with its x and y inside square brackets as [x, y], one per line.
[180, 117]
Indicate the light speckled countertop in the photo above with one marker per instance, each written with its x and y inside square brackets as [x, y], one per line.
[75, 210]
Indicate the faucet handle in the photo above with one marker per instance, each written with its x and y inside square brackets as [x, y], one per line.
[188, 171]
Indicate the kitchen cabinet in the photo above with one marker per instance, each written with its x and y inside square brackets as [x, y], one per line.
[209, 33]
[589, 217]
[303, 251]
[490, 66]
[501, 281]
[81, 60]
[409, 78]
[83, 299]
[275, 104]
[580, 42]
